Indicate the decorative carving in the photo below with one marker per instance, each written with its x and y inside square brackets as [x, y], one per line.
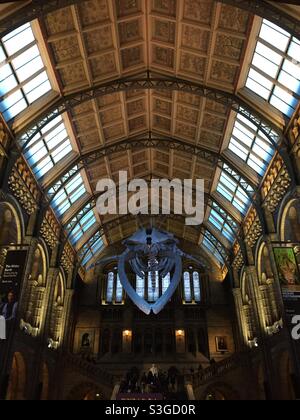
[163, 56]
[198, 10]
[295, 135]
[275, 185]
[103, 65]
[93, 12]
[165, 7]
[132, 57]
[3, 139]
[50, 229]
[252, 228]
[224, 72]
[24, 186]
[99, 40]
[196, 38]
[193, 64]
[68, 258]
[239, 260]
[164, 31]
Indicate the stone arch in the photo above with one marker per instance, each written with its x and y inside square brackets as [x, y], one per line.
[289, 222]
[220, 392]
[86, 391]
[10, 225]
[249, 324]
[17, 378]
[57, 311]
[34, 308]
[268, 289]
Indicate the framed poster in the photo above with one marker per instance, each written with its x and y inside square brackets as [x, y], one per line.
[11, 282]
[287, 267]
[222, 345]
[289, 276]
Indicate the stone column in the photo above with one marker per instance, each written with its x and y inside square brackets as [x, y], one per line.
[115, 392]
[240, 317]
[190, 391]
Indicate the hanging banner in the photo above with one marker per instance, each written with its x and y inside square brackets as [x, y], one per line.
[11, 282]
[287, 258]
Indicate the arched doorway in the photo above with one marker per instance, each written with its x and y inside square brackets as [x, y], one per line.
[17, 379]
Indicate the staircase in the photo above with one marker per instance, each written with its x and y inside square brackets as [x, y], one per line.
[96, 373]
[219, 369]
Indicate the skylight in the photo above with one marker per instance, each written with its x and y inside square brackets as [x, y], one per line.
[233, 191]
[223, 223]
[83, 226]
[23, 75]
[48, 147]
[212, 250]
[251, 145]
[69, 195]
[92, 248]
[275, 70]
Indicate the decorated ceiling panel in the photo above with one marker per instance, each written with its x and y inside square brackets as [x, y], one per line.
[96, 42]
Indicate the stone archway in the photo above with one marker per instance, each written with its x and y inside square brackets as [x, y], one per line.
[17, 379]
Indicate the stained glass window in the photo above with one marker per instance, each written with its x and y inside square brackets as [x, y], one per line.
[166, 281]
[110, 287]
[197, 286]
[187, 287]
[119, 290]
[153, 286]
[140, 286]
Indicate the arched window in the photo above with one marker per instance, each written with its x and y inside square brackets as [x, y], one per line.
[166, 282]
[119, 290]
[110, 287]
[152, 286]
[191, 286]
[197, 286]
[187, 287]
[114, 289]
[140, 286]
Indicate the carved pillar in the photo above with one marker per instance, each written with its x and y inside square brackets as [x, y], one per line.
[242, 325]
[257, 309]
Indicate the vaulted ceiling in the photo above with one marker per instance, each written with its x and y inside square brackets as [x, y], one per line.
[193, 42]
